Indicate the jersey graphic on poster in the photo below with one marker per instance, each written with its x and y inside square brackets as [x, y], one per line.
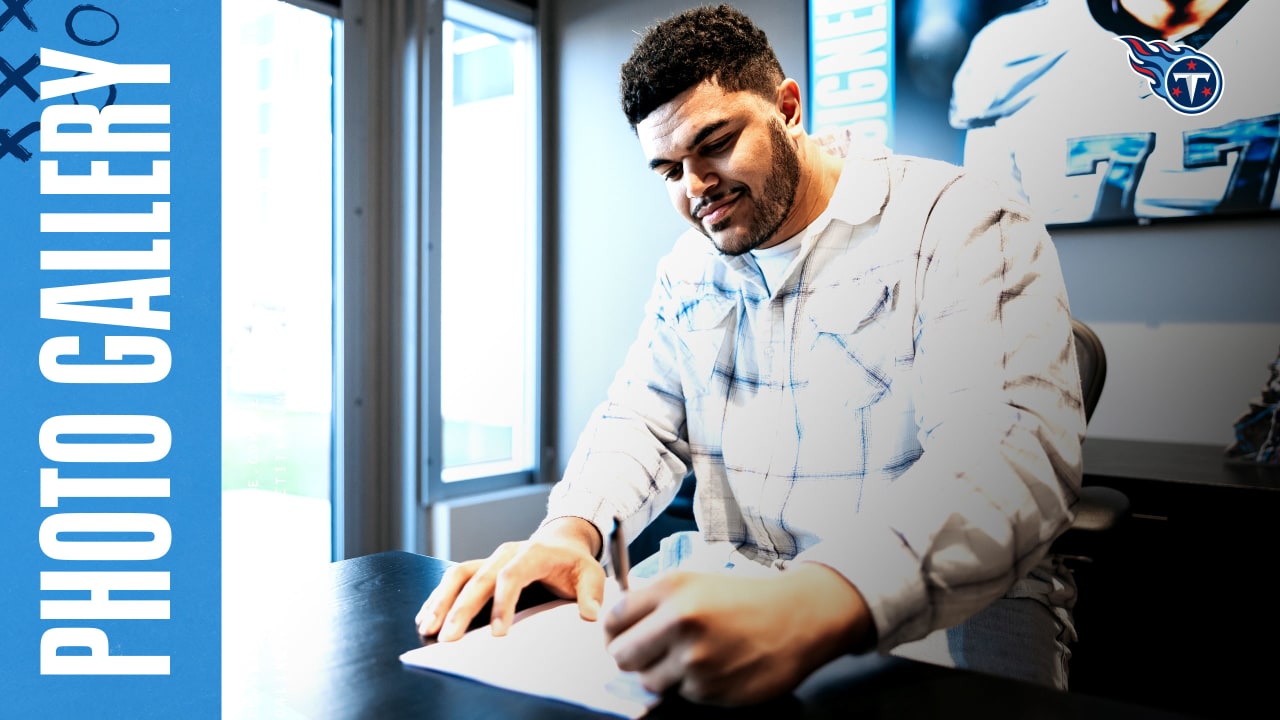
[1095, 114]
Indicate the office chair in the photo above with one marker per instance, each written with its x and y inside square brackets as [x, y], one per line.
[1092, 360]
[1099, 510]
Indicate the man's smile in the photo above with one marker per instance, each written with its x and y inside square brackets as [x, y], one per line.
[716, 210]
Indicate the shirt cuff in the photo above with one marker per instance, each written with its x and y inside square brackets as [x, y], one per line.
[886, 572]
[595, 510]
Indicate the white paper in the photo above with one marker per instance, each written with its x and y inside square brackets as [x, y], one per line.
[550, 652]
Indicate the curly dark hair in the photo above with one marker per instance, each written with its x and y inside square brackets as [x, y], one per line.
[704, 43]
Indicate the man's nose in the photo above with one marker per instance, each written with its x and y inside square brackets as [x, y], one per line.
[698, 182]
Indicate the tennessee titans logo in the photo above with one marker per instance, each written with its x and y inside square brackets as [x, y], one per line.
[1188, 80]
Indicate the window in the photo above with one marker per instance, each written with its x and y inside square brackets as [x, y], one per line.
[489, 241]
[278, 235]
[437, 370]
[278, 279]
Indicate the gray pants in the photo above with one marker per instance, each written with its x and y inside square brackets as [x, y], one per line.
[1018, 638]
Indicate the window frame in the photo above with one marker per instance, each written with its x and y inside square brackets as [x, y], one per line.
[389, 423]
[433, 487]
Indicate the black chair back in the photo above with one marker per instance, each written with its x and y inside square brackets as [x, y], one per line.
[1099, 509]
[1092, 360]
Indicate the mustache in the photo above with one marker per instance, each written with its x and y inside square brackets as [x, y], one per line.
[699, 207]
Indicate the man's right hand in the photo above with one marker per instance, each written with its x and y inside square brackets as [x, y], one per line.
[561, 554]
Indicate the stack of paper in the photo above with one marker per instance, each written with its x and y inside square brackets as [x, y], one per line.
[549, 651]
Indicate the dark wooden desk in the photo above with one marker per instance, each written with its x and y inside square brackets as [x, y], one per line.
[332, 651]
[1171, 608]
[1139, 463]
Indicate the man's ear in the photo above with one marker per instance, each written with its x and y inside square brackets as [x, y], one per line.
[789, 105]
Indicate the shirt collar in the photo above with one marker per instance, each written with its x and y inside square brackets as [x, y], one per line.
[860, 194]
[862, 190]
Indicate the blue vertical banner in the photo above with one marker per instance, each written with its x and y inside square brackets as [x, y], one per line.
[110, 539]
[851, 67]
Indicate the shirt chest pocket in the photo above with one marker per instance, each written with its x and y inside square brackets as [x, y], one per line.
[707, 331]
[850, 346]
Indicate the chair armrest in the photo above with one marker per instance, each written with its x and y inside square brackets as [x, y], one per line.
[1099, 510]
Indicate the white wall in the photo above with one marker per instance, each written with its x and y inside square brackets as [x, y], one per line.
[1190, 313]
[1190, 316]
[474, 525]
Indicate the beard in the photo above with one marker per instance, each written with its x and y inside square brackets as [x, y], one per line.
[775, 199]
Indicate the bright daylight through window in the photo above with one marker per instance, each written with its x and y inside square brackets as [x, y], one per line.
[488, 315]
[277, 312]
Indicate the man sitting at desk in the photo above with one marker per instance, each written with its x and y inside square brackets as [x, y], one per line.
[869, 368]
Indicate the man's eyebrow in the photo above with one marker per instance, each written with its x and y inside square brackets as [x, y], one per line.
[703, 134]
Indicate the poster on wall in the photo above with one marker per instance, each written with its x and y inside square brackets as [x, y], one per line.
[109, 173]
[1096, 111]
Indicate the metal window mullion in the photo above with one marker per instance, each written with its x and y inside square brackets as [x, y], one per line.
[382, 66]
[432, 429]
[546, 404]
[480, 485]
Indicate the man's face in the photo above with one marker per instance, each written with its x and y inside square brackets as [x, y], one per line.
[729, 165]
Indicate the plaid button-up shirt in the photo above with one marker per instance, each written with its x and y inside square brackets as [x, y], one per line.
[904, 407]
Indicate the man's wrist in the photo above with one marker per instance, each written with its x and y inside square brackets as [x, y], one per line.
[839, 606]
[573, 530]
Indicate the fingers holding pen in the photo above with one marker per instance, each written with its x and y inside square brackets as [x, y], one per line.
[644, 633]
[633, 607]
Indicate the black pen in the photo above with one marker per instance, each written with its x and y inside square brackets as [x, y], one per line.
[618, 550]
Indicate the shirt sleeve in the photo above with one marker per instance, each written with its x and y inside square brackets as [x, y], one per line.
[633, 454]
[1000, 417]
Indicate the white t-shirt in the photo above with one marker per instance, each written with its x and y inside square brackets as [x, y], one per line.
[773, 262]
